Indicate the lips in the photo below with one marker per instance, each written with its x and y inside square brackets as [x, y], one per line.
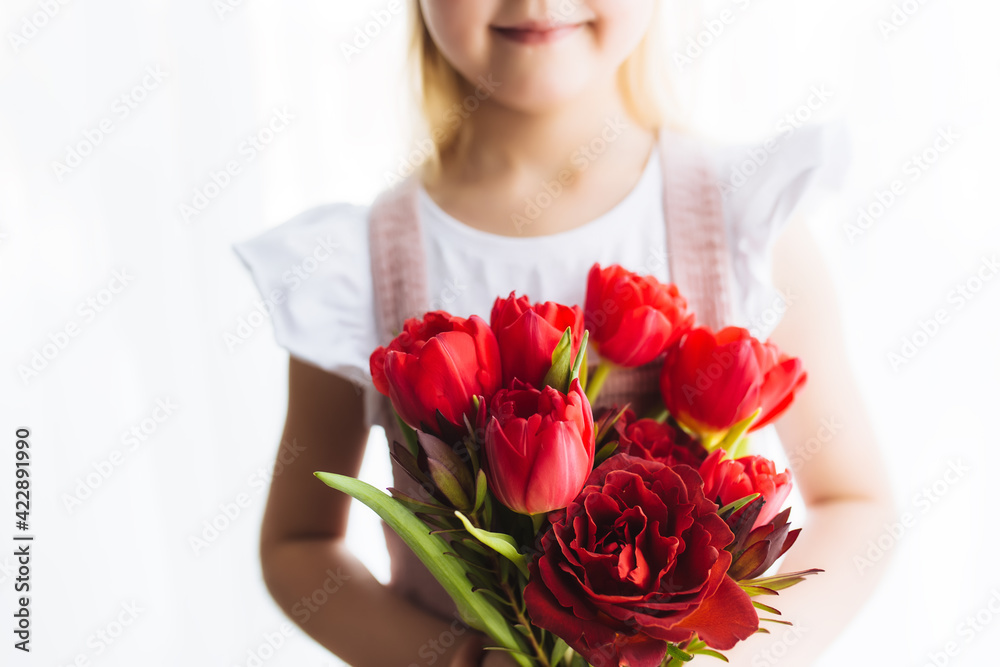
[537, 33]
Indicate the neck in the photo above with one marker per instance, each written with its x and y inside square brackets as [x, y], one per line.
[505, 144]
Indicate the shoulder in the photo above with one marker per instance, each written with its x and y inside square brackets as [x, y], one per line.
[330, 240]
[763, 186]
[318, 230]
[763, 182]
[313, 276]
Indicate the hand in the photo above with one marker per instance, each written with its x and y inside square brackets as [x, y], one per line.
[471, 654]
[498, 659]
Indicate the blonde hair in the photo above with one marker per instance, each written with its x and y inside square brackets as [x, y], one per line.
[439, 88]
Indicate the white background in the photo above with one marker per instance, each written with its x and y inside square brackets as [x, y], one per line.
[162, 336]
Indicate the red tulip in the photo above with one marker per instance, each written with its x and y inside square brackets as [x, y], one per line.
[632, 318]
[710, 382]
[436, 366]
[528, 334]
[539, 446]
[727, 481]
[783, 377]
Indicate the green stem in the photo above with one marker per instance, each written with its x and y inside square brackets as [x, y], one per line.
[543, 659]
[596, 381]
[658, 413]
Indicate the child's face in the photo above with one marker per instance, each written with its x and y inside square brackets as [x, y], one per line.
[541, 53]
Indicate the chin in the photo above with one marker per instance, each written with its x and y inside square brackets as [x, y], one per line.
[536, 89]
[532, 97]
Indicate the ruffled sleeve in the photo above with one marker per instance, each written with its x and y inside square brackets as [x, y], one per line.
[763, 185]
[314, 270]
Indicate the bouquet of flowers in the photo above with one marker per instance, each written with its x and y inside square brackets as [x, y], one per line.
[573, 536]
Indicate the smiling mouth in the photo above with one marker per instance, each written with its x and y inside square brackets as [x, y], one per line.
[536, 33]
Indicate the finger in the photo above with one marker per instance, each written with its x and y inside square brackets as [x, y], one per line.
[470, 653]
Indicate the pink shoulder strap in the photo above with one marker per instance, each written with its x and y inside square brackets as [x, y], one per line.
[398, 264]
[697, 249]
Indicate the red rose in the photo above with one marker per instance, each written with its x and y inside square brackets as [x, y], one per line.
[712, 381]
[539, 446]
[635, 561]
[727, 481]
[632, 318]
[654, 441]
[437, 365]
[528, 334]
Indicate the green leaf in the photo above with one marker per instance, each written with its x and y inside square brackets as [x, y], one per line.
[474, 608]
[408, 433]
[608, 424]
[494, 596]
[502, 544]
[402, 455]
[736, 432]
[782, 581]
[417, 506]
[675, 652]
[448, 483]
[764, 607]
[775, 620]
[738, 504]
[521, 657]
[481, 487]
[559, 372]
[471, 446]
[581, 355]
[754, 591]
[558, 651]
[605, 453]
[714, 654]
[438, 451]
[472, 551]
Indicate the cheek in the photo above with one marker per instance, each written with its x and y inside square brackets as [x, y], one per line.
[460, 29]
[620, 26]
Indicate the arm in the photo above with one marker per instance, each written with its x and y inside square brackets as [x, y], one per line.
[836, 465]
[306, 566]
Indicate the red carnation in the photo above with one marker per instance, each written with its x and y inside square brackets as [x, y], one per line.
[654, 441]
[637, 560]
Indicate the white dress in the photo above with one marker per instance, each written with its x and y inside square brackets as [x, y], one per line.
[315, 269]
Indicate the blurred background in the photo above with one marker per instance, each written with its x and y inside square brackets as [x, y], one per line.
[148, 423]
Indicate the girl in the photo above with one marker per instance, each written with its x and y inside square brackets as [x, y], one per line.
[551, 150]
